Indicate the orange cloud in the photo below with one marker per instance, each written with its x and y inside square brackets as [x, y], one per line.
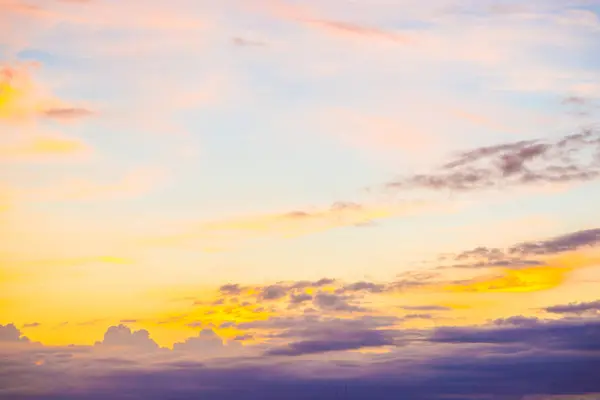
[524, 280]
[133, 184]
[287, 225]
[347, 28]
[42, 147]
[554, 273]
[15, 268]
[20, 97]
[23, 98]
[309, 17]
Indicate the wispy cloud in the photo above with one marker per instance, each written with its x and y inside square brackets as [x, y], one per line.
[287, 225]
[43, 148]
[573, 158]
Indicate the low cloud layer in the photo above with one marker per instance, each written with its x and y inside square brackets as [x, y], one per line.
[513, 358]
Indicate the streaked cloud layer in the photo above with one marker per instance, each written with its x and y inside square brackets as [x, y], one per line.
[278, 199]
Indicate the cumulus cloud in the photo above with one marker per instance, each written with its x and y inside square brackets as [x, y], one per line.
[208, 345]
[10, 333]
[123, 337]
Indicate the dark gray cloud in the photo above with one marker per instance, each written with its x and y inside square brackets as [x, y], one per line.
[575, 308]
[572, 158]
[343, 341]
[32, 325]
[581, 335]
[517, 320]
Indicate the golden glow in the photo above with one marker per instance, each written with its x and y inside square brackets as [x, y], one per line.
[20, 96]
[43, 146]
[525, 280]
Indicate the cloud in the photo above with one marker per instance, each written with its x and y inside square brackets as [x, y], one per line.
[363, 286]
[426, 308]
[564, 243]
[231, 289]
[42, 148]
[528, 254]
[514, 358]
[335, 302]
[67, 113]
[518, 320]
[530, 279]
[121, 337]
[207, 345]
[300, 298]
[22, 97]
[287, 225]
[343, 341]
[132, 184]
[577, 335]
[10, 333]
[344, 28]
[309, 17]
[32, 325]
[273, 292]
[573, 158]
[242, 42]
[576, 308]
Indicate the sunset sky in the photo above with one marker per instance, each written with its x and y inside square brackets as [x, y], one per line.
[376, 199]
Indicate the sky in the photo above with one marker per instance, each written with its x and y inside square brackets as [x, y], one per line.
[269, 199]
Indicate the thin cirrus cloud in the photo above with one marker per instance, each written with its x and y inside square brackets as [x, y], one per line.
[42, 148]
[287, 225]
[309, 16]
